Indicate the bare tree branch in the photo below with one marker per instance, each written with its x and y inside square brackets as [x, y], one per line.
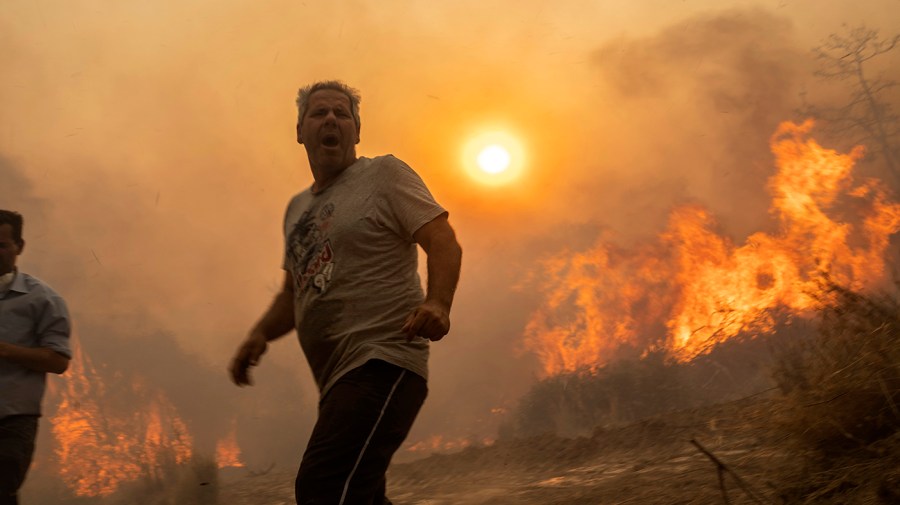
[867, 115]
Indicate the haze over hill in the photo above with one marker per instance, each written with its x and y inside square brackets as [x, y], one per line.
[150, 147]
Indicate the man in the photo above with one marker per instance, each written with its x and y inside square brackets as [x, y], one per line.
[34, 340]
[352, 292]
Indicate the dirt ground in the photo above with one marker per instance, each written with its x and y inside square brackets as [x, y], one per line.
[651, 462]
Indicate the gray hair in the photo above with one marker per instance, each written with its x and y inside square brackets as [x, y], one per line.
[306, 91]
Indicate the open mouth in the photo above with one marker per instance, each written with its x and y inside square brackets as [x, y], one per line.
[330, 140]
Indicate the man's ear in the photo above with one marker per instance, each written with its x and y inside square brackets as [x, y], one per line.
[299, 138]
[21, 247]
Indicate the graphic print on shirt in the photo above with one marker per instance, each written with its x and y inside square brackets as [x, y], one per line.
[309, 249]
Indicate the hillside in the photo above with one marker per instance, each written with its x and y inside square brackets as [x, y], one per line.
[650, 462]
[828, 432]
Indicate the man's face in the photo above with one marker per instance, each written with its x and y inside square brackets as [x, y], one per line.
[328, 131]
[9, 250]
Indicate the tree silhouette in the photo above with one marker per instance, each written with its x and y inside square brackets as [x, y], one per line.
[867, 117]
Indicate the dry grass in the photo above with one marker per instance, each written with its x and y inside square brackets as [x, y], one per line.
[574, 404]
[839, 405]
[194, 482]
[629, 390]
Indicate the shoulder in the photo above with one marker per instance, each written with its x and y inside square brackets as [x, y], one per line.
[390, 162]
[391, 170]
[36, 287]
[31, 283]
[299, 197]
[299, 200]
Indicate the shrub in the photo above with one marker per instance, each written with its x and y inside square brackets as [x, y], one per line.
[575, 403]
[191, 483]
[841, 388]
[628, 390]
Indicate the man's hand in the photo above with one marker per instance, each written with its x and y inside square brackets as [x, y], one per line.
[430, 320]
[277, 320]
[247, 356]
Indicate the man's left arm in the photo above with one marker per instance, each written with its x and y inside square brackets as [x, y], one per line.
[431, 320]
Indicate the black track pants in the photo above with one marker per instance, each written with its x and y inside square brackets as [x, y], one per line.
[17, 434]
[363, 419]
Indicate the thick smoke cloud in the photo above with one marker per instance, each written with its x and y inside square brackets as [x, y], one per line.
[152, 148]
[16, 191]
[698, 103]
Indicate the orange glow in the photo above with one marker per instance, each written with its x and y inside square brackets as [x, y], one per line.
[494, 158]
[694, 288]
[440, 443]
[102, 441]
[228, 454]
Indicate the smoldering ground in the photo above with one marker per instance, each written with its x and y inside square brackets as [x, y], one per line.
[152, 152]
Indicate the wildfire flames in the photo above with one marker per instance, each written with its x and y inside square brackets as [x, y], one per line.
[112, 433]
[228, 454]
[694, 288]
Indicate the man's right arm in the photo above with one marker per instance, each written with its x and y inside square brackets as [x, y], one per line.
[275, 323]
[52, 330]
[39, 359]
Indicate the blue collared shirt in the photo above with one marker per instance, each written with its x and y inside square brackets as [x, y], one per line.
[31, 315]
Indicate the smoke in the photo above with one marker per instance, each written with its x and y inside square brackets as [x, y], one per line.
[16, 191]
[151, 150]
[696, 105]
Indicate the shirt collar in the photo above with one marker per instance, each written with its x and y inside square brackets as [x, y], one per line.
[6, 279]
[18, 284]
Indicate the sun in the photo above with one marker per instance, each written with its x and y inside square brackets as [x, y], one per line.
[494, 158]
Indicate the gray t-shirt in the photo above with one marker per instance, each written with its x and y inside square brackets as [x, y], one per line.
[351, 254]
[31, 315]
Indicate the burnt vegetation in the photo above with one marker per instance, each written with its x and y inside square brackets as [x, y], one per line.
[621, 392]
[838, 403]
[822, 427]
[193, 482]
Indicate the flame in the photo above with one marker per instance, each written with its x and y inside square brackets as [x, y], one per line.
[694, 288]
[228, 454]
[100, 447]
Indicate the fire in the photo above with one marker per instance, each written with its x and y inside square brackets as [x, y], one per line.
[102, 443]
[228, 454]
[694, 288]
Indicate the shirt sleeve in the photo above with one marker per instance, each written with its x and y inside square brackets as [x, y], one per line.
[286, 232]
[291, 216]
[405, 204]
[54, 326]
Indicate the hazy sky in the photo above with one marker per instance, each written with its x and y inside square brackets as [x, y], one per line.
[151, 147]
